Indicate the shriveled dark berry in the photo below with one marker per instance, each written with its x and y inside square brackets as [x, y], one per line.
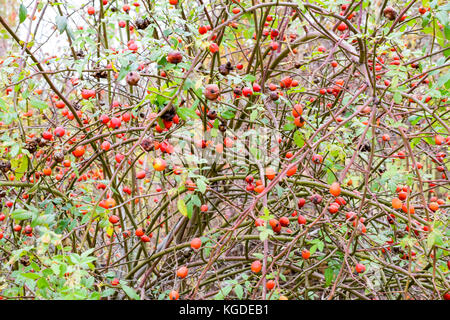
[58, 156]
[147, 145]
[212, 115]
[142, 24]
[390, 13]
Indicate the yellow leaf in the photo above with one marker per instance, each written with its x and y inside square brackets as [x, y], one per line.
[110, 231]
[113, 67]
[181, 205]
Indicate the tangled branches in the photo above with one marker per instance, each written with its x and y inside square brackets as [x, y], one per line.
[225, 150]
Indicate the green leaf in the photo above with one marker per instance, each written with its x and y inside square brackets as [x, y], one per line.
[414, 119]
[21, 165]
[196, 200]
[260, 256]
[298, 139]
[201, 185]
[434, 238]
[61, 23]
[186, 113]
[330, 177]
[239, 291]
[329, 274]
[22, 13]
[31, 275]
[254, 115]
[39, 104]
[226, 291]
[35, 266]
[414, 142]
[444, 80]
[219, 296]
[190, 209]
[123, 72]
[263, 235]
[229, 114]
[397, 97]
[425, 19]
[279, 190]
[44, 220]
[267, 215]
[108, 292]
[167, 32]
[249, 78]
[289, 126]
[21, 214]
[42, 283]
[70, 33]
[447, 36]
[130, 292]
[15, 149]
[394, 82]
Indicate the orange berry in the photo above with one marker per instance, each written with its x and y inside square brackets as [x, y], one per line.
[174, 295]
[335, 189]
[274, 223]
[270, 284]
[297, 110]
[360, 268]
[396, 203]
[259, 189]
[196, 243]
[110, 202]
[270, 173]
[284, 221]
[139, 232]
[182, 272]
[434, 206]
[291, 171]
[438, 139]
[299, 122]
[256, 266]
[306, 254]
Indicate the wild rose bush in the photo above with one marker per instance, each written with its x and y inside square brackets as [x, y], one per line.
[225, 150]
